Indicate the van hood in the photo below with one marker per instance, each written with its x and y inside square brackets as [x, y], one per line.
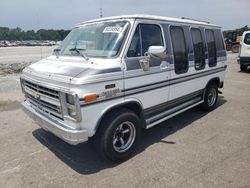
[59, 66]
[64, 69]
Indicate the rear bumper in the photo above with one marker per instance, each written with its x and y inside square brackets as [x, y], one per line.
[71, 136]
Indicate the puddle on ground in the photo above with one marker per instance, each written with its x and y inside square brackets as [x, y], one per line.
[9, 105]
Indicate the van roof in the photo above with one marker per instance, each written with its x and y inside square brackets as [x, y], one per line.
[151, 17]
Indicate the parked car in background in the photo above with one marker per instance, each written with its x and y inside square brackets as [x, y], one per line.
[244, 54]
[2, 44]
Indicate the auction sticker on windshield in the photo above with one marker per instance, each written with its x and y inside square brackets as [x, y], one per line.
[112, 29]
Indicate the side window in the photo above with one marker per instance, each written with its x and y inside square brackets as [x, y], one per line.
[199, 52]
[151, 36]
[135, 46]
[180, 50]
[219, 40]
[212, 59]
[145, 35]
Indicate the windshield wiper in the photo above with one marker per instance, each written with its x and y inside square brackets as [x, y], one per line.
[79, 51]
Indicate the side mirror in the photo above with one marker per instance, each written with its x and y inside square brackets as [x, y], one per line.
[153, 51]
[56, 52]
[156, 49]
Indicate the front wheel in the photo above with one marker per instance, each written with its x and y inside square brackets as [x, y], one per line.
[118, 136]
[210, 97]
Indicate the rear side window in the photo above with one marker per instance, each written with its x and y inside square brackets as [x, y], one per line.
[247, 39]
[180, 50]
[199, 52]
[219, 40]
[212, 59]
[145, 35]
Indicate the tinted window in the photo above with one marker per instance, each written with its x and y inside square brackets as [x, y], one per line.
[199, 55]
[247, 38]
[145, 35]
[219, 40]
[151, 36]
[211, 48]
[135, 46]
[180, 52]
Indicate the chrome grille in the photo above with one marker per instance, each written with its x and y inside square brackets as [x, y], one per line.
[43, 98]
[43, 90]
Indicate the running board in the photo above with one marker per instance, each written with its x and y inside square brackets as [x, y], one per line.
[172, 112]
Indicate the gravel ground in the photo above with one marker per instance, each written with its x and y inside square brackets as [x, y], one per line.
[14, 59]
[193, 149]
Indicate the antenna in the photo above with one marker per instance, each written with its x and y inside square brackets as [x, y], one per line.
[195, 20]
[100, 8]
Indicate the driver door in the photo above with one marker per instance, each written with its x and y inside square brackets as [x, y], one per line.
[150, 87]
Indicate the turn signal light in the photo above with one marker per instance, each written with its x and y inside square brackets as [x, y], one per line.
[90, 97]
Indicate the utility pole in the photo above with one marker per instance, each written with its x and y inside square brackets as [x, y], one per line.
[100, 8]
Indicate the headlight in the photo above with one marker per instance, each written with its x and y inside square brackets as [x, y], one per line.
[71, 107]
[70, 99]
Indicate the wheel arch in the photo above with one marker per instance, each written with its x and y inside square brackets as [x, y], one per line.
[131, 104]
[216, 80]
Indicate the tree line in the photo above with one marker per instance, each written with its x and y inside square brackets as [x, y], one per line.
[239, 31]
[17, 34]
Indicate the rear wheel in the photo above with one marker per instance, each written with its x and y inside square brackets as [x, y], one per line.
[210, 97]
[243, 67]
[118, 136]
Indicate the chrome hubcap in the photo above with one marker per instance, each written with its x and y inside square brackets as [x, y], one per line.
[212, 97]
[124, 136]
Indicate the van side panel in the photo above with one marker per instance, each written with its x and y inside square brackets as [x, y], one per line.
[199, 77]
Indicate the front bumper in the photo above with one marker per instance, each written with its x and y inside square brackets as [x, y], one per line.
[71, 136]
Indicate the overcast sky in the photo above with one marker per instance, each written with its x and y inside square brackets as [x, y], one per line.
[64, 14]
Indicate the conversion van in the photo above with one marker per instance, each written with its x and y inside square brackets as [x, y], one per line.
[244, 54]
[112, 77]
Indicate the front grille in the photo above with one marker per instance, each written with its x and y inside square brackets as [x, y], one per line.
[42, 90]
[43, 98]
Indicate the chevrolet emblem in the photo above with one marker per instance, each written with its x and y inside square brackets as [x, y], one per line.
[36, 95]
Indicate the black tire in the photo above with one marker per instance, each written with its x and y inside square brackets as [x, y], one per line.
[210, 97]
[109, 131]
[243, 68]
[235, 48]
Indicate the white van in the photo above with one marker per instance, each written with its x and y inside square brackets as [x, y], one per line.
[113, 77]
[244, 54]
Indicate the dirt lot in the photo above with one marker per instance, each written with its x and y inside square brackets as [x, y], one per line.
[24, 54]
[194, 149]
[14, 59]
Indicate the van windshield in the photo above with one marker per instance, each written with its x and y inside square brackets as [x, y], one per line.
[95, 40]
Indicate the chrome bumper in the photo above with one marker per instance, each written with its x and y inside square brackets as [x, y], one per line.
[71, 136]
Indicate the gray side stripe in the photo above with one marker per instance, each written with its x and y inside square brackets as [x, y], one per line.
[170, 82]
[136, 90]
